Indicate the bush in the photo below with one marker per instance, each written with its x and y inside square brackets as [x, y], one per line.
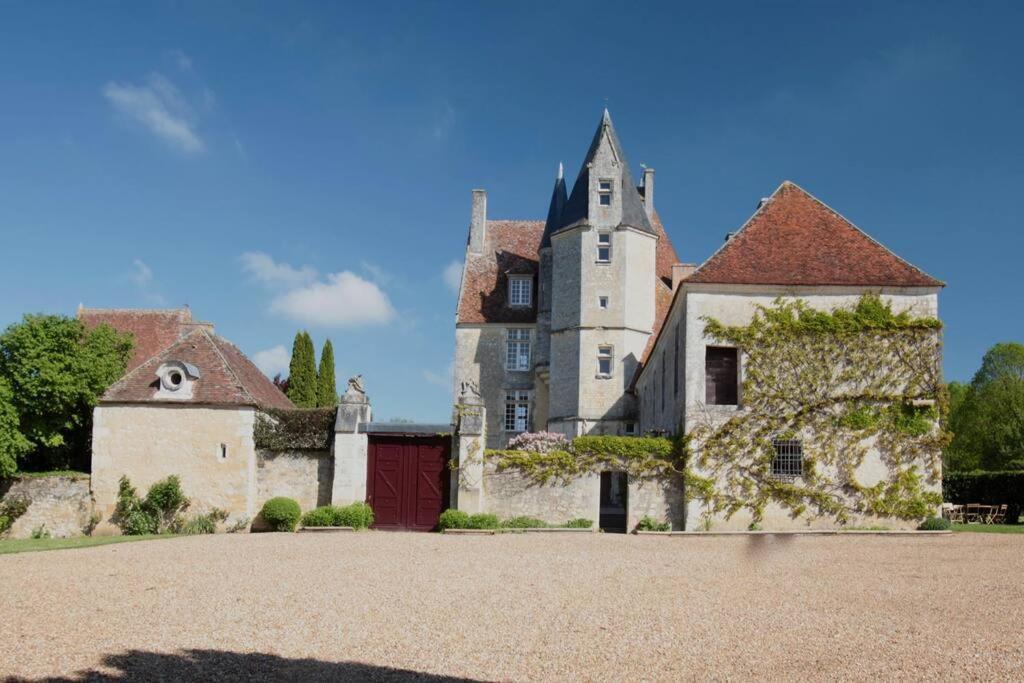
[165, 501]
[136, 523]
[524, 523]
[288, 429]
[538, 442]
[357, 515]
[282, 514]
[321, 516]
[989, 488]
[651, 524]
[10, 510]
[156, 514]
[200, 524]
[935, 524]
[579, 523]
[454, 519]
[483, 520]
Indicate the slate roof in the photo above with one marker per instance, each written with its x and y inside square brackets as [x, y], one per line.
[227, 377]
[578, 206]
[795, 239]
[557, 206]
[152, 330]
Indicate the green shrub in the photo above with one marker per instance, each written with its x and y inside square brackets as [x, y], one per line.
[580, 523]
[454, 519]
[10, 510]
[40, 532]
[935, 524]
[165, 501]
[357, 515]
[158, 513]
[282, 514]
[321, 516]
[524, 523]
[136, 523]
[200, 524]
[483, 520]
[651, 524]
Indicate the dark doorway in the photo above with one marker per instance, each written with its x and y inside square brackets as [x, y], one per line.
[614, 495]
[407, 484]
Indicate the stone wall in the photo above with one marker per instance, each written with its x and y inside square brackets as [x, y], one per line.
[61, 505]
[306, 476]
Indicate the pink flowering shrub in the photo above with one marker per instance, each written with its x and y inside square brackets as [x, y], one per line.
[539, 442]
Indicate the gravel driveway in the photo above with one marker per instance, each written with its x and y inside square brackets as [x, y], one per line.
[389, 606]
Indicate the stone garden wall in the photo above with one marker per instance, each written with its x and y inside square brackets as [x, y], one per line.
[62, 506]
[305, 475]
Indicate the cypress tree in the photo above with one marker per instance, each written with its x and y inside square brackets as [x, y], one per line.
[326, 388]
[302, 388]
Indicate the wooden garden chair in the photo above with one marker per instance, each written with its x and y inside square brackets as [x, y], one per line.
[971, 513]
[998, 515]
[956, 514]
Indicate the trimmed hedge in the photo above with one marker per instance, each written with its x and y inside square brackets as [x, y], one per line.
[454, 519]
[356, 515]
[294, 430]
[282, 514]
[935, 524]
[989, 488]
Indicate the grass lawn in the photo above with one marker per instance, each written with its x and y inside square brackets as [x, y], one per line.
[990, 528]
[29, 545]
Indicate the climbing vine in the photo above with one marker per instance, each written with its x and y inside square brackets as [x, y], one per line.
[844, 383]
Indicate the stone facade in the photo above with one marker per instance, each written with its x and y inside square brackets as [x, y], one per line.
[59, 506]
[306, 476]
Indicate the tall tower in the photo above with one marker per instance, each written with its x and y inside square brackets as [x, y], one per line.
[542, 355]
[602, 293]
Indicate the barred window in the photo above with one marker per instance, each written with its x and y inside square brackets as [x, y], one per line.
[517, 352]
[789, 458]
[517, 411]
[520, 291]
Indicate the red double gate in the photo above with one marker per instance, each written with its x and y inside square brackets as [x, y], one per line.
[408, 480]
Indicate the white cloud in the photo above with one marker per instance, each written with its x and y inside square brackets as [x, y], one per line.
[344, 300]
[446, 381]
[142, 274]
[377, 274]
[273, 360]
[266, 270]
[452, 275]
[159, 106]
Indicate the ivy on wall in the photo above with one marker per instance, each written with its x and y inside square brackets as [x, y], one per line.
[843, 382]
[294, 430]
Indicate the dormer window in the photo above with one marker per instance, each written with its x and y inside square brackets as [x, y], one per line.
[604, 247]
[175, 380]
[520, 290]
[604, 192]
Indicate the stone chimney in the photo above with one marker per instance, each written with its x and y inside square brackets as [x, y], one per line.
[649, 191]
[681, 271]
[478, 223]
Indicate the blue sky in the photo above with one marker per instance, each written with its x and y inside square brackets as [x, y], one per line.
[303, 165]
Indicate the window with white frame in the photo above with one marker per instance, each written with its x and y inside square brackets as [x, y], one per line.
[604, 361]
[788, 462]
[517, 411]
[602, 303]
[520, 290]
[604, 192]
[517, 350]
[604, 247]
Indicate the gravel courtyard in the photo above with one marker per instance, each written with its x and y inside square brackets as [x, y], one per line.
[390, 606]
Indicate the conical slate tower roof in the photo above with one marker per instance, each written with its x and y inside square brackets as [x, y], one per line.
[558, 200]
[578, 206]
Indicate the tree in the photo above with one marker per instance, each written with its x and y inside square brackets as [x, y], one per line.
[326, 387]
[56, 371]
[987, 416]
[302, 386]
[12, 443]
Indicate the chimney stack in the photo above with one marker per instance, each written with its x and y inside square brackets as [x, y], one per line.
[681, 271]
[478, 223]
[649, 192]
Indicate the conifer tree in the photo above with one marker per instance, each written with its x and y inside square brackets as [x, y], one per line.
[326, 388]
[302, 389]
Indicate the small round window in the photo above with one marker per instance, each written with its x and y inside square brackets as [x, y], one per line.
[174, 378]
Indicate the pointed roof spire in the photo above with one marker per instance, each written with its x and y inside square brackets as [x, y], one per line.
[558, 199]
[578, 206]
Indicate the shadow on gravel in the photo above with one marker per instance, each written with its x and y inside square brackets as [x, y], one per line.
[196, 665]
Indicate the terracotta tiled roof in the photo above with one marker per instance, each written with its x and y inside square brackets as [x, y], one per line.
[795, 239]
[512, 248]
[152, 330]
[227, 377]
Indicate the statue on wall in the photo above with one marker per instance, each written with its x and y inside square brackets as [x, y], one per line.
[355, 385]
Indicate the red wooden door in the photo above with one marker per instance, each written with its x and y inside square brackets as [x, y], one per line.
[407, 481]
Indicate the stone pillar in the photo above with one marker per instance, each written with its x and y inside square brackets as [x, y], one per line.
[468, 441]
[350, 447]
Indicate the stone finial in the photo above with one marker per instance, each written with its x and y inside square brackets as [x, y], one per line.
[355, 385]
[354, 407]
[469, 392]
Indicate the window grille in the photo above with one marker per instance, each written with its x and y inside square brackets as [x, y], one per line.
[517, 411]
[789, 458]
[517, 352]
[520, 291]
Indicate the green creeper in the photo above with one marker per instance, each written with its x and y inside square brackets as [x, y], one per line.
[326, 387]
[302, 383]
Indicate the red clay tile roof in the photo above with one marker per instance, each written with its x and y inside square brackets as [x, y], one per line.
[795, 239]
[227, 377]
[152, 330]
[512, 248]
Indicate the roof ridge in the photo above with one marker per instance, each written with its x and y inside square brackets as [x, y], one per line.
[214, 340]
